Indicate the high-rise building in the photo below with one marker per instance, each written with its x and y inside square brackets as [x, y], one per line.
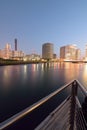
[1, 53]
[70, 52]
[78, 54]
[8, 46]
[7, 51]
[47, 51]
[15, 44]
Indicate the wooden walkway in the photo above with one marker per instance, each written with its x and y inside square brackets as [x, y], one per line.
[59, 119]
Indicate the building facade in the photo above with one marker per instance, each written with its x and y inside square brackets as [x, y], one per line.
[17, 55]
[78, 54]
[47, 51]
[70, 52]
[32, 57]
[1, 53]
[7, 51]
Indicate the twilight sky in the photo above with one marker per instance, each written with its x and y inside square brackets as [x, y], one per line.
[34, 22]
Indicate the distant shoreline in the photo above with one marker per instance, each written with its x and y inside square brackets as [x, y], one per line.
[15, 62]
[19, 63]
[4, 62]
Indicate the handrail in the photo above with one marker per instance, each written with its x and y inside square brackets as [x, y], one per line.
[29, 109]
[81, 120]
[26, 111]
[83, 89]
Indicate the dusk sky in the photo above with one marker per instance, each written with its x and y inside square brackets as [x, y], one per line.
[34, 22]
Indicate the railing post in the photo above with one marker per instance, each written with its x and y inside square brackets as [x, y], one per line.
[73, 104]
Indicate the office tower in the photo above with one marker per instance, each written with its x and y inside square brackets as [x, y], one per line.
[15, 44]
[78, 54]
[70, 52]
[62, 52]
[47, 51]
[7, 51]
[8, 47]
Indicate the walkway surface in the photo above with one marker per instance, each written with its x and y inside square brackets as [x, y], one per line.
[59, 119]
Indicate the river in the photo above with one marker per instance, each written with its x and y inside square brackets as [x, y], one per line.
[23, 85]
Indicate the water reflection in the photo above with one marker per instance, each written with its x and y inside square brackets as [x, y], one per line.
[6, 76]
[35, 67]
[9, 74]
[25, 69]
[42, 67]
[84, 75]
[31, 74]
[24, 73]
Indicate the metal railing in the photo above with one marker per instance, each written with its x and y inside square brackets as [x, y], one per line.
[83, 89]
[29, 109]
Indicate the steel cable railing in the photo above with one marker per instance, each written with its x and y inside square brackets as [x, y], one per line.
[83, 89]
[81, 123]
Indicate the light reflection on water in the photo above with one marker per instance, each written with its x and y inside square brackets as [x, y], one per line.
[21, 85]
[34, 72]
[84, 76]
[8, 75]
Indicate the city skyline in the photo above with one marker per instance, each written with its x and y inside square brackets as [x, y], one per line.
[68, 52]
[15, 48]
[36, 22]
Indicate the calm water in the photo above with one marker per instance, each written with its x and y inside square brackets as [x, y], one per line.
[22, 85]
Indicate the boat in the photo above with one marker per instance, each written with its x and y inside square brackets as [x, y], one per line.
[69, 115]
